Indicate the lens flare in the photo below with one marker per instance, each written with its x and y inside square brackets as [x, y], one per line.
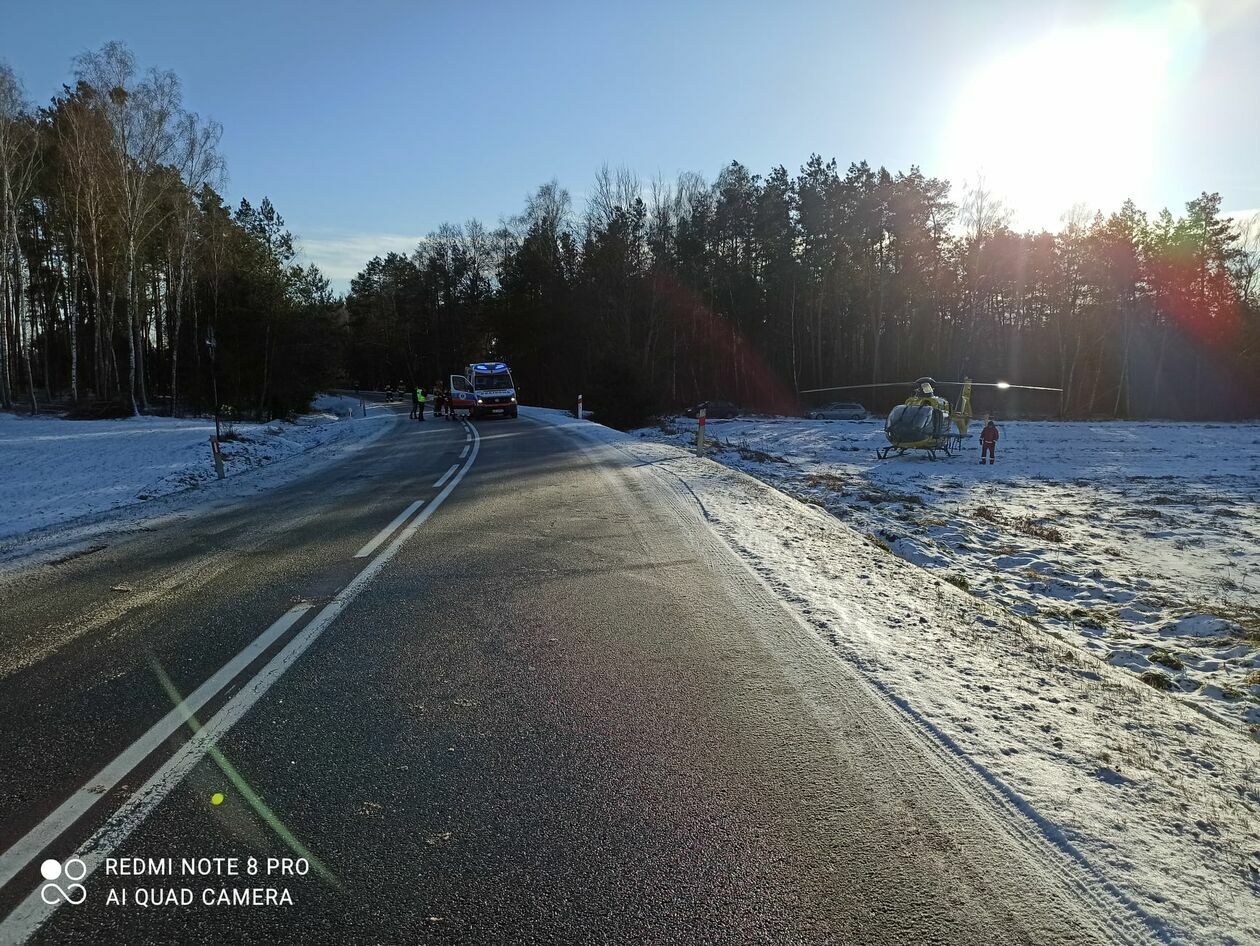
[1073, 117]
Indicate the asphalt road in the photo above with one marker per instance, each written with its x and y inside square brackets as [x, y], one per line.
[553, 711]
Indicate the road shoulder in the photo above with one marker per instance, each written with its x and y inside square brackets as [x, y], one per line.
[1150, 806]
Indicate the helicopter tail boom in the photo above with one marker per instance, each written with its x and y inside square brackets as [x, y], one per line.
[962, 414]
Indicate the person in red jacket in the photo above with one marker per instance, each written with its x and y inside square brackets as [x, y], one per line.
[988, 442]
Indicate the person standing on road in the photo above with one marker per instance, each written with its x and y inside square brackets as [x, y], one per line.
[988, 442]
[415, 402]
[419, 403]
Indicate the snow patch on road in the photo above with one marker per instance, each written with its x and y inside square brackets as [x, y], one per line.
[1159, 801]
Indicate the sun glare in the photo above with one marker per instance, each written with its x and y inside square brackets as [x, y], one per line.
[1071, 118]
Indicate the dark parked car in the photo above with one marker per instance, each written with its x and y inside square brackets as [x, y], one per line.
[724, 409]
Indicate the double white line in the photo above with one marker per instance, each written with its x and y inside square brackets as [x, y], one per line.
[27, 917]
[388, 530]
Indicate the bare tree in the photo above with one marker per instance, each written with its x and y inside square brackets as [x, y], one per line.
[200, 166]
[1247, 265]
[981, 211]
[19, 161]
[83, 143]
[143, 116]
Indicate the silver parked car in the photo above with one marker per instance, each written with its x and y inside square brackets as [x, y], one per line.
[840, 410]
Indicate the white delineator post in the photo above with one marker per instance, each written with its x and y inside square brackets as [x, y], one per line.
[579, 410]
[700, 431]
[218, 457]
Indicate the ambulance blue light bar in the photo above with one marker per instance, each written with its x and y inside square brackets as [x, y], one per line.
[496, 366]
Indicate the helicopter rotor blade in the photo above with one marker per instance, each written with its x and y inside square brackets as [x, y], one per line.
[1004, 386]
[852, 387]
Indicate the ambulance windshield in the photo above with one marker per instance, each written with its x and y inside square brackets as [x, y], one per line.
[493, 381]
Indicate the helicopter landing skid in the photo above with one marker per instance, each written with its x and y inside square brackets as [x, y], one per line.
[949, 446]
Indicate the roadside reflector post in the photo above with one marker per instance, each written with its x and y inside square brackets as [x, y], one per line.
[700, 431]
[579, 410]
[218, 457]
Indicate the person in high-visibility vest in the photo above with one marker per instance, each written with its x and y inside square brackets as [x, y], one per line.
[419, 403]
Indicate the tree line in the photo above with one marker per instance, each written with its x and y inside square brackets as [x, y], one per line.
[126, 283]
[758, 288]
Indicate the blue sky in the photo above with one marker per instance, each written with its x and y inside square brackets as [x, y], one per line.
[369, 124]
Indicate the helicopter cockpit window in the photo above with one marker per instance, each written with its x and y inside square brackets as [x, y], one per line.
[907, 419]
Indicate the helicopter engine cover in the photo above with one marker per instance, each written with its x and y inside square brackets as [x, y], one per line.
[914, 423]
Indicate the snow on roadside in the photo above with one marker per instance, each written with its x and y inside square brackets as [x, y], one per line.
[57, 471]
[1157, 800]
[1142, 540]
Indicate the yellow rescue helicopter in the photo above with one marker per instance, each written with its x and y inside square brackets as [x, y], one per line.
[927, 421]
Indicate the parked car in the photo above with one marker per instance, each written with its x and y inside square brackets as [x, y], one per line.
[840, 410]
[723, 409]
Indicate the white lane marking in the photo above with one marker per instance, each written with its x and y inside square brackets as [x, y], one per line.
[447, 475]
[388, 530]
[465, 450]
[47, 831]
[31, 913]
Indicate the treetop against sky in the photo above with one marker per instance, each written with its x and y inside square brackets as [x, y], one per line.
[373, 124]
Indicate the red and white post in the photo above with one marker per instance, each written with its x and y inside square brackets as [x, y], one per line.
[700, 431]
[218, 457]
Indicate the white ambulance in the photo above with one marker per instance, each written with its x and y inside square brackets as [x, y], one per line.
[485, 389]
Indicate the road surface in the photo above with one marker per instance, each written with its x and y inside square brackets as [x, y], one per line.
[542, 705]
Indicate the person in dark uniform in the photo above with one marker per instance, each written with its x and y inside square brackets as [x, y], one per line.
[988, 442]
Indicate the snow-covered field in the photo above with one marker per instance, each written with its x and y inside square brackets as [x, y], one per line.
[1152, 805]
[55, 471]
[1139, 540]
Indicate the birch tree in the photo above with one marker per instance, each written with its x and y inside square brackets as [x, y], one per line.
[143, 116]
[19, 159]
[200, 166]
